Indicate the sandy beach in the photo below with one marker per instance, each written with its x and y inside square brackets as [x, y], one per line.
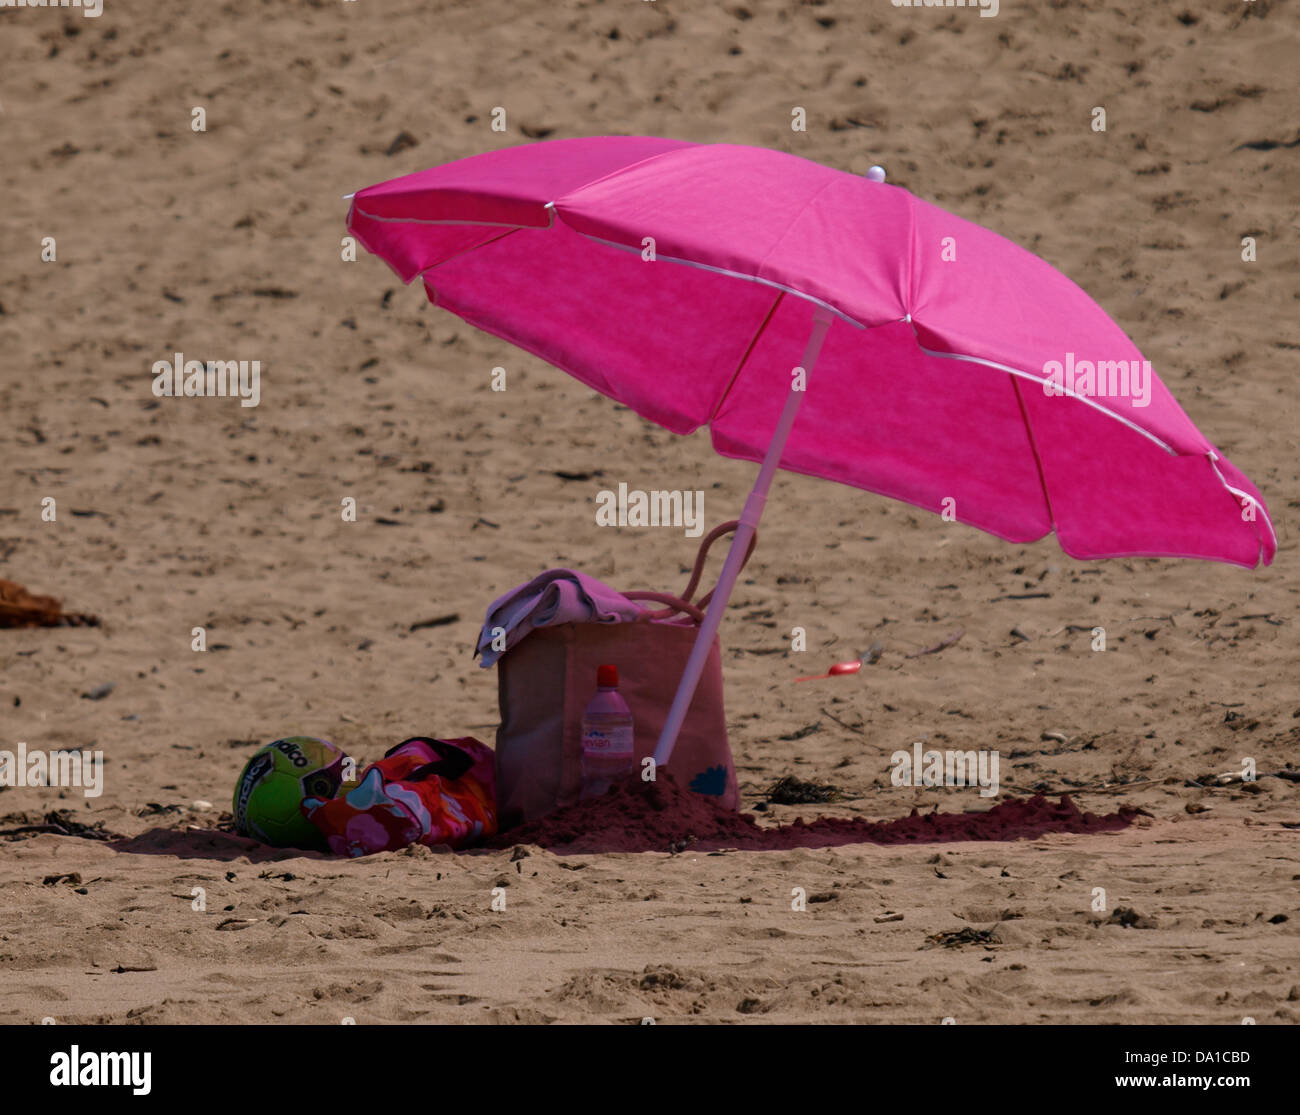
[174, 514]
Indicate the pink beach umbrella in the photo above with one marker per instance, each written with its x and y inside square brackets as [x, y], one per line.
[926, 358]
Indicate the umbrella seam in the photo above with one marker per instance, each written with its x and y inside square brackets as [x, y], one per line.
[685, 145]
[911, 258]
[793, 220]
[1246, 496]
[1033, 448]
[745, 358]
[738, 275]
[466, 251]
[364, 241]
[1064, 391]
[549, 207]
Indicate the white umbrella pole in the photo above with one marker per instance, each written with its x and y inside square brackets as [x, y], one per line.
[739, 545]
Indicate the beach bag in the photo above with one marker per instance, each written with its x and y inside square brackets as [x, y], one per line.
[545, 681]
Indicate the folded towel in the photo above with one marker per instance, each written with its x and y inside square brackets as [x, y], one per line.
[556, 596]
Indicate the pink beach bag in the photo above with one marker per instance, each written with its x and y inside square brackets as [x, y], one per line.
[546, 680]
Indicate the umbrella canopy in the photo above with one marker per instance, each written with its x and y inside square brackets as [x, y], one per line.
[933, 388]
[954, 370]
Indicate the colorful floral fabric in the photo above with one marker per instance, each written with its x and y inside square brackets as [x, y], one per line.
[424, 791]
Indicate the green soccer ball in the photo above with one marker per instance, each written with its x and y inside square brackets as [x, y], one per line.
[273, 784]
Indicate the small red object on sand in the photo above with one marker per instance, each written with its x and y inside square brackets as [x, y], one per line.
[836, 670]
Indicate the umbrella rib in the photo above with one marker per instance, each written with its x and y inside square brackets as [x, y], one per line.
[1243, 498]
[659, 257]
[549, 207]
[466, 251]
[1033, 448]
[618, 172]
[745, 358]
[1059, 387]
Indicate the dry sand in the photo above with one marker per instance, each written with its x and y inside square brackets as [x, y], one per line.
[175, 514]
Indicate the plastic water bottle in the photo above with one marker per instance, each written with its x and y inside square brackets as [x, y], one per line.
[607, 736]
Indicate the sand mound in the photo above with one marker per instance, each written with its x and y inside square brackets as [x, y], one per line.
[661, 816]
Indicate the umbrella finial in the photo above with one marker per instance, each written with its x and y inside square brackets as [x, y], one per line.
[876, 174]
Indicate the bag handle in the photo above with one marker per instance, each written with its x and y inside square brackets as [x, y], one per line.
[683, 604]
[675, 604]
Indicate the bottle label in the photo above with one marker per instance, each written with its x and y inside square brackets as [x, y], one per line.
[612, 741]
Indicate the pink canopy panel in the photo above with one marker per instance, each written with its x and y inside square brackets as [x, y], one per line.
[680, 279]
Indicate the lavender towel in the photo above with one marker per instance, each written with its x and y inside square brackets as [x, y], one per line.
[556, 596]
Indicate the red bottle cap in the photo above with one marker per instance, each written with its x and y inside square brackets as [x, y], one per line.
[607, 677]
